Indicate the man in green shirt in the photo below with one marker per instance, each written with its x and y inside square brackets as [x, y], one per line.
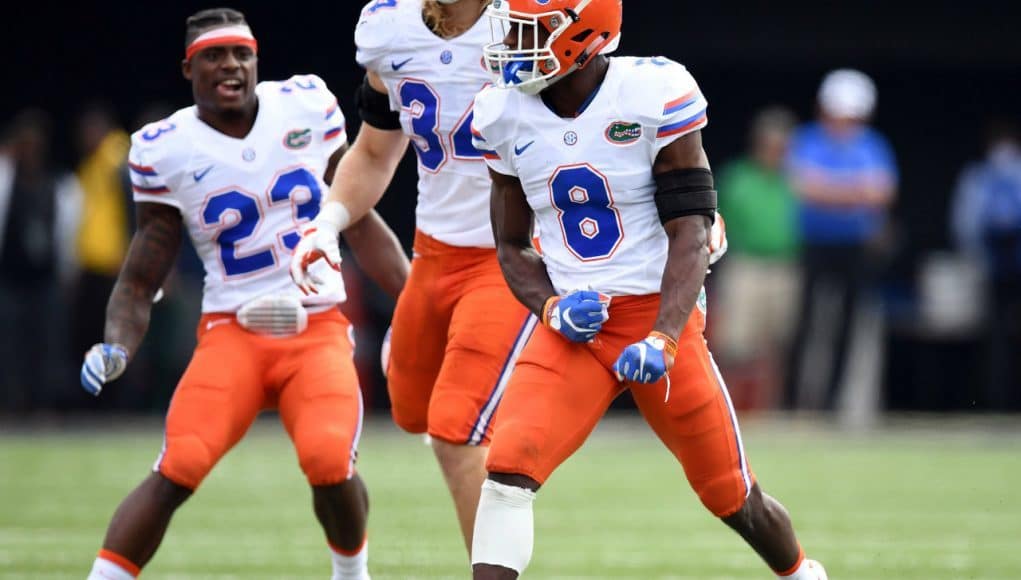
[759, 282]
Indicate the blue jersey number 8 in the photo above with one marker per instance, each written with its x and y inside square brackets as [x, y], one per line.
[423, 105]
[590, 223]
[246, 207]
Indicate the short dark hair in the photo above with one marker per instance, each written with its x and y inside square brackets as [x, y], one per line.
[210, 18]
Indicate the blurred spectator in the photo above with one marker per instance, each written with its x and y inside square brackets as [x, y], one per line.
[31, 363]
[845, 176]
[103, 229]
[986, 223]
[759, 279]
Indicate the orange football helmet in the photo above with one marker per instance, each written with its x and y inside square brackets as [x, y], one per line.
[538, 42]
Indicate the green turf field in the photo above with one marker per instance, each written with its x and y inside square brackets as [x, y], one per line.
[926, 501]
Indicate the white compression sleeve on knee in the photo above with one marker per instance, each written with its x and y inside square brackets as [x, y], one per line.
[503, 527]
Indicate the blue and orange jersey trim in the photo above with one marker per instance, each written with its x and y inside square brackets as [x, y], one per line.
[679, 104]
[476, 134]
[150, 190]
[688, 124]
[489, 154]
[331, 110]
[142, 169]
[331, 133]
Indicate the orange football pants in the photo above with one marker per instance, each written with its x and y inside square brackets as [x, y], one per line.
[234, 374]
[559, 390]
[457, 331]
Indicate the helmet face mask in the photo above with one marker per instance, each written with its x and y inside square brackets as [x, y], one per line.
[530, 64]
[537, 43]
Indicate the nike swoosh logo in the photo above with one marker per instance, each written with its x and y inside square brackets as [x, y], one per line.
[520, 150]
[399, 65]
[198, 175]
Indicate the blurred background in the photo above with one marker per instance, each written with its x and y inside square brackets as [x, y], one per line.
[869, 170]
[874, 221]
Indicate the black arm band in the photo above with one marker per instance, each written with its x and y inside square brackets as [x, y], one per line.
[374, 108]
[684, 192]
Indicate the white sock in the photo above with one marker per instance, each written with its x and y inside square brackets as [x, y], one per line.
[353, 567]
[107, 570]
[504, 531]
[807, 570]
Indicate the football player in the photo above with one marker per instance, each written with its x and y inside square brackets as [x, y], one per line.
[457, 329]
[606, 154]
[241, 171]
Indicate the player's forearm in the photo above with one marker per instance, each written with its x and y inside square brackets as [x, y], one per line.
[127, 316]
[687, 263]
[365, 171]
[152, 254]
[379, 253]
[526, 275]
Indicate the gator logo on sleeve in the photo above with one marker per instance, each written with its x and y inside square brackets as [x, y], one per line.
[298, 138]
[623, 133]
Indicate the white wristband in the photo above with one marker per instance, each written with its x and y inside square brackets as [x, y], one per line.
[333, 216]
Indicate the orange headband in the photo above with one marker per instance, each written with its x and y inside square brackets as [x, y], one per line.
[227, 35]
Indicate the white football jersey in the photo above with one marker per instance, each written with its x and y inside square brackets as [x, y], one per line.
[243, 200]
[589, 179]
[432, 82]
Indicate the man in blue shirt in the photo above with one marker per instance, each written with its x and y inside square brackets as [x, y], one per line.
[986, 222]
[845, 177]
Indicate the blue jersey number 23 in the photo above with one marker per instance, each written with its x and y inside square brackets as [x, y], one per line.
[590, 222]
[249, 215]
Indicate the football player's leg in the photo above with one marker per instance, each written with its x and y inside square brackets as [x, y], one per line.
[215, 402]
[488, 330]
[555, 397]
[321, 408]
[699, 426]
[418, 340]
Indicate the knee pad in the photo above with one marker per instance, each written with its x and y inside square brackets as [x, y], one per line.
[504, 533]
[517, 451]
[409, 420]
[325, 460]
[723, 496]
[455, 420]
[186, 461]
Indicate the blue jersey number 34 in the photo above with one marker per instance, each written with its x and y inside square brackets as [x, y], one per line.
[423, 106]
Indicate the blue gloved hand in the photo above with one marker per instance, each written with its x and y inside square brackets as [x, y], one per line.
[103, 363]
[578, 316]
[648, 360]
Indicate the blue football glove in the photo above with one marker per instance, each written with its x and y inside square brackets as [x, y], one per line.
[648, 360]
[103, 363]
[578, 316]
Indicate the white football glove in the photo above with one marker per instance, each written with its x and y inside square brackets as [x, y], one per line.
[314, 244]
[319, 240]
[103, 363]
[717, 239]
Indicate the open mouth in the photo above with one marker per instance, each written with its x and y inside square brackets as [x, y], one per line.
[230, 88]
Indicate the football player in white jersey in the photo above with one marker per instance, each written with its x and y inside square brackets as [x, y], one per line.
[241, 171]
[456, 329]
[606, 154]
